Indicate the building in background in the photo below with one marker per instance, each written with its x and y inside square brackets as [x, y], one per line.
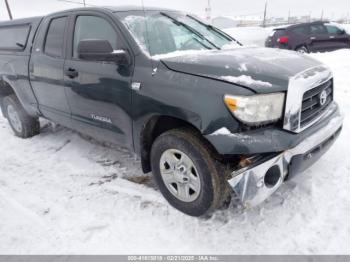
[225, 22]
[234, 21]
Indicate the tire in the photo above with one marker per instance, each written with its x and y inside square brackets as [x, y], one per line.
[22, 124]
[213, 189]
[302, 49]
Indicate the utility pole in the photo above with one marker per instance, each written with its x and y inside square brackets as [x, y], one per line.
[208, 12]
[8, 9]
[288, 21]
[265, 13]
[322, 16]
[79, 2]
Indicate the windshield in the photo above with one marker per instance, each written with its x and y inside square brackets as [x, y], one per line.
[161, 33]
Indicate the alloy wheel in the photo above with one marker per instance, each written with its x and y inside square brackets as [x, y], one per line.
[14, 118]
[180, 175]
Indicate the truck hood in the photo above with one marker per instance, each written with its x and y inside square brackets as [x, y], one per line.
[263, 70]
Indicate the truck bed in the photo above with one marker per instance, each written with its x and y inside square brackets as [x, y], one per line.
[14, 59]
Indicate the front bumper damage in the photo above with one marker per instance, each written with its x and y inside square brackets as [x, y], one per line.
[255, 183]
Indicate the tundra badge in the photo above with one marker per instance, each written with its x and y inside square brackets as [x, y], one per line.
[136, 86]
[101, 118]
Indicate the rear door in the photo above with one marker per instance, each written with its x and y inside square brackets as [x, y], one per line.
[338, 38]
[271, 40]
[319, 38]
[299, 36]
[46, 69]
[99, 93]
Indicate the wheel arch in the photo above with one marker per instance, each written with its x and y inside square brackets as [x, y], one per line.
[158, 125]
[23, 92]
[301, 46]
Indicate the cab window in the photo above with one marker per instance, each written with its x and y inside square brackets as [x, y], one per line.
[93, 28]
[55, 37]
[14, 37]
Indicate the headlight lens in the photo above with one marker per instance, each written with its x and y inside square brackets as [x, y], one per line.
[256, 109]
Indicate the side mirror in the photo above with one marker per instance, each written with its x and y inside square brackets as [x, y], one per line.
[101, 50]
[342, 32]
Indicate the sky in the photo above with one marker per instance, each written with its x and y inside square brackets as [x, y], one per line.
[331, 8]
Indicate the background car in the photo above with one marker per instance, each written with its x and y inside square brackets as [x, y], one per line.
[309, 37]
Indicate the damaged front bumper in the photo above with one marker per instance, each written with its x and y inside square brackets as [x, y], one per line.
[255, 183]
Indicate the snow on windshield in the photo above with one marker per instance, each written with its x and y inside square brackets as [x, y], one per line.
[167, 33]
[137, 26]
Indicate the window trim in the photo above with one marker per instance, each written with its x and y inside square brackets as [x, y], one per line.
[64, 37]
[19, 49]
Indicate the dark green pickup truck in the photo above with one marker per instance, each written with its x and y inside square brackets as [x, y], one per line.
[210, 118]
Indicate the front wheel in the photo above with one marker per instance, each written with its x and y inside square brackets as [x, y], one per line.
[188, 176]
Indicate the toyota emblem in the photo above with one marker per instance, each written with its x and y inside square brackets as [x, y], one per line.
[323, 97]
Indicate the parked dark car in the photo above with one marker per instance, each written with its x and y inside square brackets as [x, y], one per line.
[207, 116]
[309, 37]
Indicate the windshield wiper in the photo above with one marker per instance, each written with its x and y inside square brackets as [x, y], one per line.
[201, 43]
[191, 29]
[212, 28]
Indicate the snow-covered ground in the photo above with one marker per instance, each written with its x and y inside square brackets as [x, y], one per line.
[250, 35]
[346, 27]
[62, 193]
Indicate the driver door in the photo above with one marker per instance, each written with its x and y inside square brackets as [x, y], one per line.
[98, 93]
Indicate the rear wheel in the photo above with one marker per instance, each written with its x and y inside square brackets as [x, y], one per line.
[302, 50]
[188, 176]
[22, 124]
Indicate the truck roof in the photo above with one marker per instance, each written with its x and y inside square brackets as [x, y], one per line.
[101, 8]
[136, 8]
[114, 9]
[21, 21]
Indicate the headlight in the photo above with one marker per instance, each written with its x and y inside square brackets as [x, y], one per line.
[256, 109]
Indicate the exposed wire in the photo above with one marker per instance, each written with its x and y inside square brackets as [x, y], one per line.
[75, 2]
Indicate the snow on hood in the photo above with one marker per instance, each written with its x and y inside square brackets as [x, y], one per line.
[194, 53]
[179, 53]
[264, 70]
[245, 80]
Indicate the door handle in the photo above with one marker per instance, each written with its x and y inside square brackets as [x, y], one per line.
[71, 73]
[313, 38]
[332, 37]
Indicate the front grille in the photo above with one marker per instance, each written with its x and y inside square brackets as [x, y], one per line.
[311, 106]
